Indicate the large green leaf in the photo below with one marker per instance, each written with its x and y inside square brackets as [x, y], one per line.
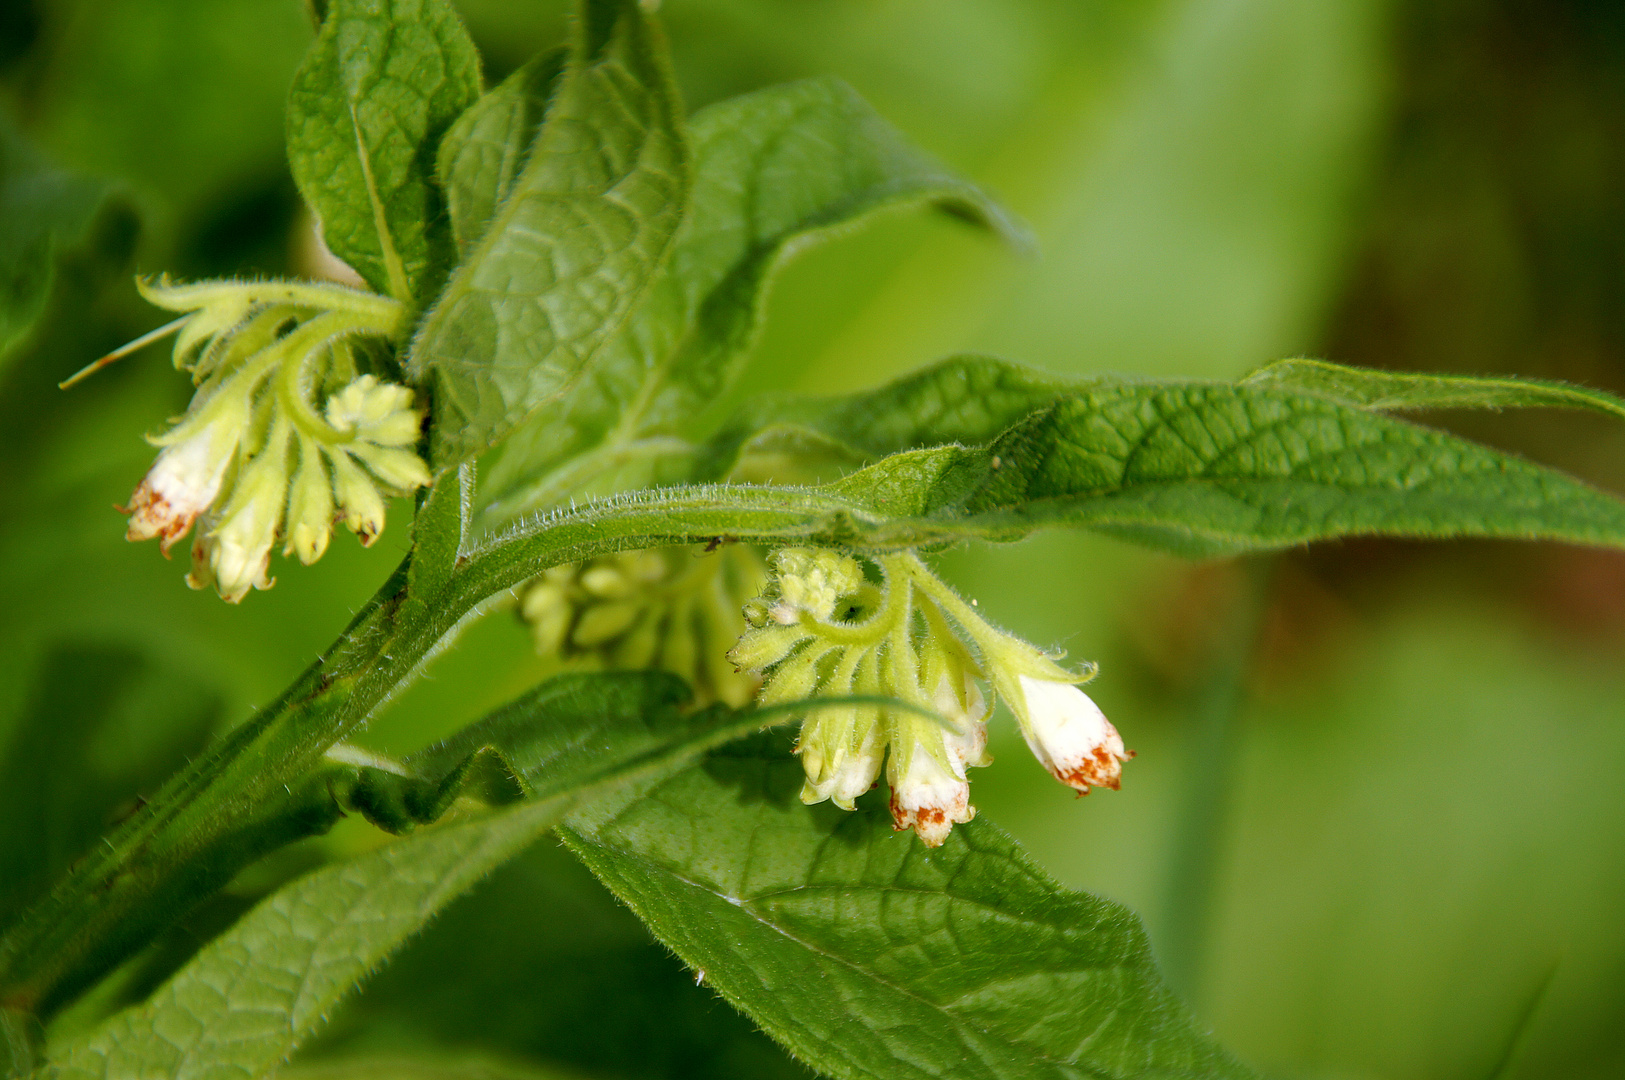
[1196, 468]
[380, 86]
[483, 154]
[250, 996]
[586, 987]
[869, 954]
[772, 171]
[572, 249]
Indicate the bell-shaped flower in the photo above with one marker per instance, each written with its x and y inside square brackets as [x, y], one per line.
[929, 791]
[1069, 734]
[235, 554]
[186, 478]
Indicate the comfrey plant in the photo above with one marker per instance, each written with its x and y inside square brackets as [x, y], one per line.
[564, 273]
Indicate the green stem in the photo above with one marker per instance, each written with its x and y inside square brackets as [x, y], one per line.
[221, 811]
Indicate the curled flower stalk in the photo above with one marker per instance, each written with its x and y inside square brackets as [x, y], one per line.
[287, 433]
[824, 628]
[675, 609]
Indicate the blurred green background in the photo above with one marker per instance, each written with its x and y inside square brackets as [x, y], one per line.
[1377, 824]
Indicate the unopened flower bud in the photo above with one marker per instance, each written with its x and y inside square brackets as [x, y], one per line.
[378, 412]
[813, 582]
[239, 548]
[757, 650]
[675, 609]
[358, 499]
[310, 506]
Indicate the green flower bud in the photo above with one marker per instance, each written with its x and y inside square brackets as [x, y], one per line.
[675, 609]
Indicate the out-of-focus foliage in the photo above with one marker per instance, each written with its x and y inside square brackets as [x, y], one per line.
[1398, 855]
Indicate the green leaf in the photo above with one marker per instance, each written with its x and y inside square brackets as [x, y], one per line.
[1393, 391]
[439, 531]
[1191, 467]
[571, 250]
[773, 170]
[253, 994]
[42, 210]
[868, 954]
[483, 154]
[380, 86]
[585, 988]
[964, 399]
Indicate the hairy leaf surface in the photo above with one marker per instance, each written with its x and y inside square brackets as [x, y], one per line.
[869, 954]
[482, 155]
[1194, 468]
[968, 400]
[572, 249]
[380, 86]
[251, 995]
[772, 170]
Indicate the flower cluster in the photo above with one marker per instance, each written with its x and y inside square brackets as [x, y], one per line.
[825, 628]
[675, 609]
[285, 435]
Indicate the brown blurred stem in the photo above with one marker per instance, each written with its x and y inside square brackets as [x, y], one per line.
[1203, 818]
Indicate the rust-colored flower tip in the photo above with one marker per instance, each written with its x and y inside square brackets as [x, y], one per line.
[1070, 736]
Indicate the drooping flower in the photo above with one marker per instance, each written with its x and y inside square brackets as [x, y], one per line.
[824, 630]
[285, 434]
[187, 476]
[1069, 734]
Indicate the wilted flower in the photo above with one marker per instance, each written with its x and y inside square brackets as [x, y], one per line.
[186, 478]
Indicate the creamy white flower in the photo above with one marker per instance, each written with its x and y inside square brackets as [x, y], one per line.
[965, 706]
[841, 755]
[238, 550]
[926, 795]
[186, 478]
[1069, 734]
